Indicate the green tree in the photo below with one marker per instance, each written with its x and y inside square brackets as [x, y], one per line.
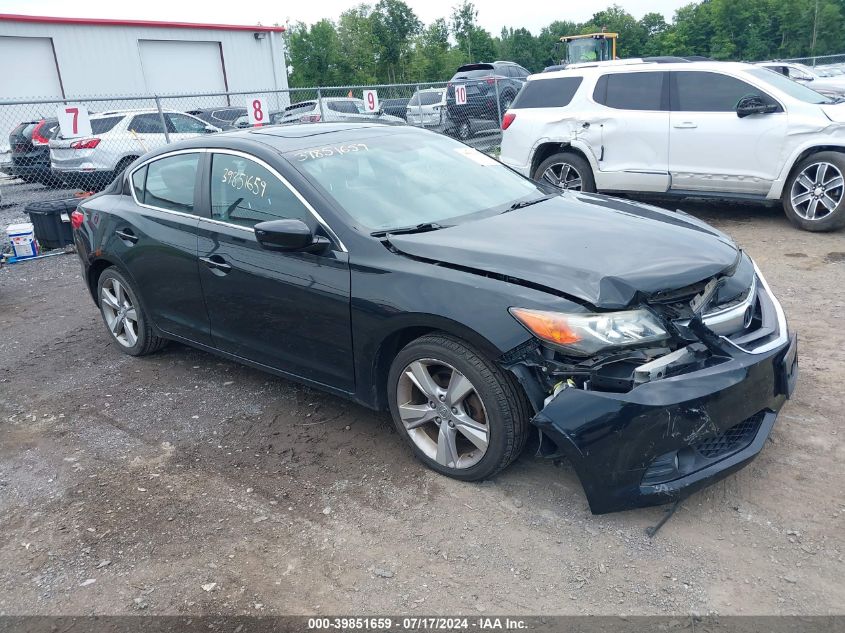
[394, 22]
[463, 23]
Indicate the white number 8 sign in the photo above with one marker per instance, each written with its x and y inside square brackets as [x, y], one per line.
[460, 94]
[257, 111]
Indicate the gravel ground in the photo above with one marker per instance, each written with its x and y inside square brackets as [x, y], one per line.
[181, 483]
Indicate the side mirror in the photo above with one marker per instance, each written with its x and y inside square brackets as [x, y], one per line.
[210, 129]
[288, 236]
[754, 104]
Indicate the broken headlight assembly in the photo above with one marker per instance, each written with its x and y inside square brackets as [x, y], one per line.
[586, 334]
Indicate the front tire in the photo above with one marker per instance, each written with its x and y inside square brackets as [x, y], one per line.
[460, 413]
[814, 195]
[567, 171]
[125, 319]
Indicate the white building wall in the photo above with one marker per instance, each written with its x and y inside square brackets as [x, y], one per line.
[96, 60]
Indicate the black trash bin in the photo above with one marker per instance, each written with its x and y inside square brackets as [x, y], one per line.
[51, 219]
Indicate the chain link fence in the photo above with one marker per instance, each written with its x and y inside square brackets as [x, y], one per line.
[37, 163]
[821, 61]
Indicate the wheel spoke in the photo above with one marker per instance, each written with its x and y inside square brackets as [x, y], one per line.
[802, 198]
[109, 299]
[459, 388]
[115, 325]
[418, 374]
[474, 431]
[117, 287]
[575, 183]
[828, 202]
[564, 173]
[132, 315]
[416, 415]
[447, 450]
[550, 177]
[821, 170]
[834, 183]
[811, 209]
[804, 181]
[129, 331]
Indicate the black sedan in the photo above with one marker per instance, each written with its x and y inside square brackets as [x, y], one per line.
[406, 271]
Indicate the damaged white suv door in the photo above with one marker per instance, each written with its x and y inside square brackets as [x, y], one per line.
[720, 129]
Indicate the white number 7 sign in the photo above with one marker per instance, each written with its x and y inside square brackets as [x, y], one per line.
[461, 94]
[73, 120]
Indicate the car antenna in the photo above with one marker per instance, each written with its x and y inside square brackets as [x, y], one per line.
[652, 530]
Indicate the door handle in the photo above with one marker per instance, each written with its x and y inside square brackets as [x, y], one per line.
[685, 125]
[217, 264]
[127, 235]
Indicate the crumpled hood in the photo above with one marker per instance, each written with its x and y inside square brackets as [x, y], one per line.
[601, 250]
[835, 112]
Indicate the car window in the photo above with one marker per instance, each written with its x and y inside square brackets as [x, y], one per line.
[429, 98]
[710, 92]
[791, 88]
[522, 72]
[347, 107]
[547, 93]
[170, 182]
[105, 124]
[630, 91]
[146, 124]
[366, 179]
[227, 115]
[245, 193]
[138, 182]
[184, 124]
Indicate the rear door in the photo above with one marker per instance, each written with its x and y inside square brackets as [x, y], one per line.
[632, 130]
[146, 132]
[155, 236]
[288, 311]
[711, 149]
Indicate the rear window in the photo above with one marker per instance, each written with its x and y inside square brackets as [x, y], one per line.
[426, 98]
[473, 70]
[630, 91]
[100, 126]
[547, 93]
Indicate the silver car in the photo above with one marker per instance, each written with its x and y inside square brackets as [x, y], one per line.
[427, 108]
[117, 138]
[347, 109]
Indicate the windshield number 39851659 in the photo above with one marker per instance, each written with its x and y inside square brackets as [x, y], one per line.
[239, 180]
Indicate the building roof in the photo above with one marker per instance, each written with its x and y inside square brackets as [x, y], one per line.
[44, 19]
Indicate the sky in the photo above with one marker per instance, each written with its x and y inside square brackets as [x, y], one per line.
[532, 14]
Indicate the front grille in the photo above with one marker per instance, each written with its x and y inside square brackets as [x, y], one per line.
[731, 440]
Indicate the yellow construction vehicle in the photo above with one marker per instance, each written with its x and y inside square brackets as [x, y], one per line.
[591, 47]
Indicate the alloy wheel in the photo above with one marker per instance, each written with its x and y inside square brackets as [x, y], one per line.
[464, 131]
[121, 316]
[817, 191]
[443, 413]
[564, 176]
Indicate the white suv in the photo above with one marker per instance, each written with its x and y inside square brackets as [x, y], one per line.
[117, 138]
[721, 129]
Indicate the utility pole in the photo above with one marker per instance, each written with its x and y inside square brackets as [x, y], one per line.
[815, 31]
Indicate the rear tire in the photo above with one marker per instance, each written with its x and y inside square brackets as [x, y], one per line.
[464, 417]
[125, 319]
[814, 195]
[567, 171]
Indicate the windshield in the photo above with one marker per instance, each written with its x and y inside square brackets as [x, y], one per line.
[426, 98]
[790, 87]
[387, 182]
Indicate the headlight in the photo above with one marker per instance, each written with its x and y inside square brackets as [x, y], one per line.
[586, 334]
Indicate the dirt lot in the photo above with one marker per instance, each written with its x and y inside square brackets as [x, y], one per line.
[184, 484]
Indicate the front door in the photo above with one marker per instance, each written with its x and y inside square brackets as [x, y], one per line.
[288, 311]
[711, 149]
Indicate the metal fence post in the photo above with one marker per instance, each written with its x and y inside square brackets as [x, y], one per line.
[163, 122]
[320, 101]
[419, 105]
[498, 102]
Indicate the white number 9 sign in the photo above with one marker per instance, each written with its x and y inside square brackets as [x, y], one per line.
[371, 100]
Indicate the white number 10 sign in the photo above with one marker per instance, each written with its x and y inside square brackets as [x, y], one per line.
[461, 94]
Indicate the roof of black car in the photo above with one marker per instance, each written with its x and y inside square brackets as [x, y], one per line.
[297, 136]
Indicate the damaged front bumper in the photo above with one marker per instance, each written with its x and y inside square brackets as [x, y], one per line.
[666, 439]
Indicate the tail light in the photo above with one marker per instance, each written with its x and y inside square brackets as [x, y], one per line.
[37, 138]
[87, 143]
[309, 118]
[490, 80]
[76, 219]
[507, 120]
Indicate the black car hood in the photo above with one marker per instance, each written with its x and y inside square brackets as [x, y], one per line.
[600, 250]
